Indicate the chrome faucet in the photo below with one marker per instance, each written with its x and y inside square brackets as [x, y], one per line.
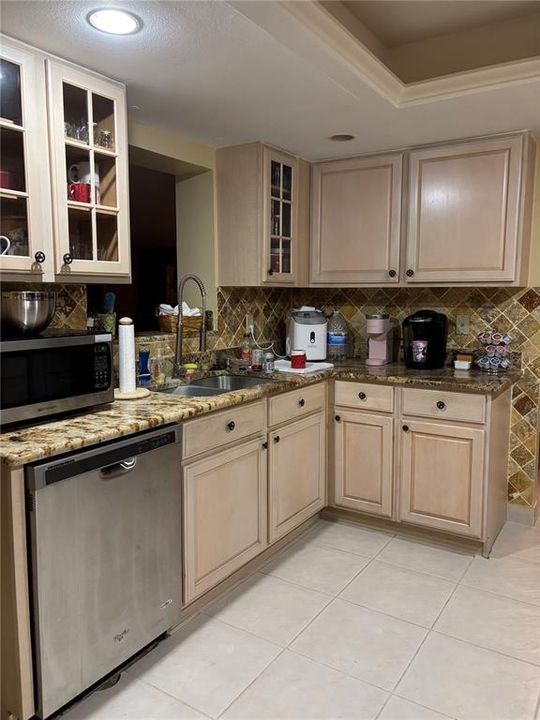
[180, 324]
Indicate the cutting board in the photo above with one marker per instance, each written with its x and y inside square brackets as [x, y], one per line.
[311, 367]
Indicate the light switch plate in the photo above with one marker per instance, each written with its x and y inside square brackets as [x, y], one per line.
[463, 324]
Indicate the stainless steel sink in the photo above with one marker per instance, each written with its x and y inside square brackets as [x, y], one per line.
[192, 391]
[217, 385]
[226, 383]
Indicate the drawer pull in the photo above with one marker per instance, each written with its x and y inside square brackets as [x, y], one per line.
[405, 428]
[362, 396]
[276, 439]
[338, 418]
[301, 402]
[441, 405]
[231, 425]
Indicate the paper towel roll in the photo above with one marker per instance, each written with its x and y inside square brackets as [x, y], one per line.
[126, 355]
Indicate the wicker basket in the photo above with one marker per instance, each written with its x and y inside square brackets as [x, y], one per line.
[167, 323]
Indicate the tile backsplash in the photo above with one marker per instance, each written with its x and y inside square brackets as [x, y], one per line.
[512, 310]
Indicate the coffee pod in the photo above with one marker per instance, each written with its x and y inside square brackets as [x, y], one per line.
[496, 338]
[491, 350]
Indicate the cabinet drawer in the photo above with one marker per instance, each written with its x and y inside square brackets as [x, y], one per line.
[444, 405]
[212, 431]
[366, 396]
[296, 403]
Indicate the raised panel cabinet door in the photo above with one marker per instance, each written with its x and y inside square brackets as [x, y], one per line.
[225, 506]
[356, 219]
[297, 463]
[25, 194]
[464, 202]
[442, 476]
[89, 155]
[363, 461]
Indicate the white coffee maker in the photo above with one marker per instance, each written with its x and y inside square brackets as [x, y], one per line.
[381, 330]
[306, 330]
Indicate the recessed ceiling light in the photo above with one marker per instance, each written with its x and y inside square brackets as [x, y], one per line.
[114, 22]
[341, 137]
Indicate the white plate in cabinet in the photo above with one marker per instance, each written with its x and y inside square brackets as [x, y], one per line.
[225, 515]
[221, 428]
[465, 212]
[356, 220]
[442, 476]
[363, 461]
[297, 473]
[463, 407]
[296, 403]
[364, 396]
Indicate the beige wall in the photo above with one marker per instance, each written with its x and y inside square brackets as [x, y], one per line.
[171, 145]
[195, 239]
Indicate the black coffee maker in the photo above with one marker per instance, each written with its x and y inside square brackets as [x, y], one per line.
[424, 340]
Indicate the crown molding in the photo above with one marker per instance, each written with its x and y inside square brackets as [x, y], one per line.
[326, 34]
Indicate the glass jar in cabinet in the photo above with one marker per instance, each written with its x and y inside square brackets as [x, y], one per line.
[90, 173]
[25, 219]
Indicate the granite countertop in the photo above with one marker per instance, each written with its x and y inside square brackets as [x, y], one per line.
[55, 437]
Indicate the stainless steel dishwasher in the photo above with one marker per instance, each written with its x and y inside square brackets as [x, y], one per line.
[105, 550]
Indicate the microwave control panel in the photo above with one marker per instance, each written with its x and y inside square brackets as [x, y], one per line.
[102, 366]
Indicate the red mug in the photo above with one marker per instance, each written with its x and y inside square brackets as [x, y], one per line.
[298, 359]
[81, 192]
[8, 180]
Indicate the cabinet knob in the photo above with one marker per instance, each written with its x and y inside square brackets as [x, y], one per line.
[338, 418]
[270, 271]
[441, 405]
[265, 445]
[392, 273]
[405, 428]
[409, 273]
[39, 257]
[276, 439]
[301, 402]
[362, 396]
[67, 259]
[231, 425]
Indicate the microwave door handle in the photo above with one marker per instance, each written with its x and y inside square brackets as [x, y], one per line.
[118, 469]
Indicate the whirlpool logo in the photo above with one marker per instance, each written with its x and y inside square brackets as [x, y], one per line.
[121, 635]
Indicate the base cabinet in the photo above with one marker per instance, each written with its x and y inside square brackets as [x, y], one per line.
[297, 478]
[225, 511]
[442, 476]
[363, 461]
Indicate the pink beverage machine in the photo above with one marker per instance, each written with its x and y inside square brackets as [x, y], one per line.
[382, 339]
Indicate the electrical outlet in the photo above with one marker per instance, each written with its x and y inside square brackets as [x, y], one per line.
[463, 324]
[249, 324]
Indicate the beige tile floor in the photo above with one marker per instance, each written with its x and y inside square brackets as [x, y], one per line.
[353, 624]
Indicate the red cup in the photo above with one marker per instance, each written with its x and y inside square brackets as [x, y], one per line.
[8, 180]
[298, 359]
[81, 192]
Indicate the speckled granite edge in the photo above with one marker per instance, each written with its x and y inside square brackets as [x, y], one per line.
[24, 445]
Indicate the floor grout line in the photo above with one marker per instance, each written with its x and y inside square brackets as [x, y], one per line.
[487, 649]
[498, 595]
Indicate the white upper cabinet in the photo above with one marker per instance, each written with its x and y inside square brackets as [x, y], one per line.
[467, 212]
[88, 138]
[262, 216]
[356, 221]
[25, 200]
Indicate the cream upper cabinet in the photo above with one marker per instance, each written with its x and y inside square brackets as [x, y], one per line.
[262, 216]
[297, 473]
[225, 519]
[363, 461]
[442, 476]
[356, 220]
[89, 153]
[468, 217]
[25, 200]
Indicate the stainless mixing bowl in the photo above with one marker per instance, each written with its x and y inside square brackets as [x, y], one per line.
[27, 312]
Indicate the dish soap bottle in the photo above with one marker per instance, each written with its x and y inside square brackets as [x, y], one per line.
[337, 337]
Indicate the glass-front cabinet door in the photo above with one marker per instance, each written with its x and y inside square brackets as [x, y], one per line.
[25, 200]
[280, 232]
[90, 161]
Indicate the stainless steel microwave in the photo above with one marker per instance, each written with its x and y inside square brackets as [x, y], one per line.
[53, 374]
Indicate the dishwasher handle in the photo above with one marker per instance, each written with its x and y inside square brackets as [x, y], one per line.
[118, 469]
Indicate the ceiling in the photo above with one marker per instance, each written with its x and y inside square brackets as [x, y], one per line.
[396, 22]
[210, 72]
